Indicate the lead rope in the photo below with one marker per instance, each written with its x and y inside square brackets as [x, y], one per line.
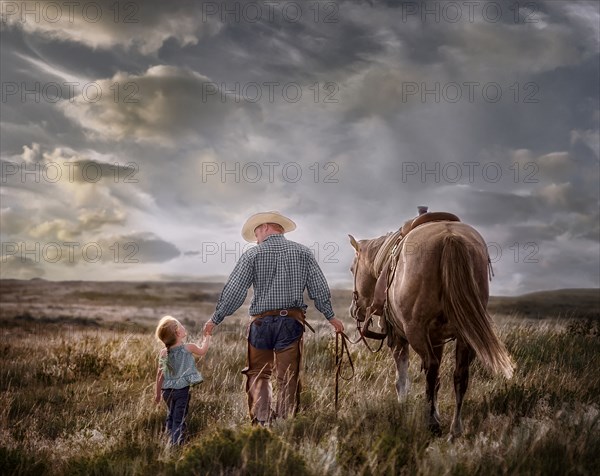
[340, 350]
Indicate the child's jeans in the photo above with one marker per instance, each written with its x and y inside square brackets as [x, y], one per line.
[178, 402]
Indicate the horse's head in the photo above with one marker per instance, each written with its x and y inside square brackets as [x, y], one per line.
[364, 279]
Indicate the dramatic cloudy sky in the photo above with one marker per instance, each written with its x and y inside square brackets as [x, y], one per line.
[136, 137]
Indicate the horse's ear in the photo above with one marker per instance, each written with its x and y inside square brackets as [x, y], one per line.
[354, 243]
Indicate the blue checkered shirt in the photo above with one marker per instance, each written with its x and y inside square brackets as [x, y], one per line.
[280, 270]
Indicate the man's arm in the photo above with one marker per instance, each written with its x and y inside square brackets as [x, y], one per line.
[234, 293]
[318, 291]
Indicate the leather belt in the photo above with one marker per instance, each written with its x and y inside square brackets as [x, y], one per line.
[293, 312]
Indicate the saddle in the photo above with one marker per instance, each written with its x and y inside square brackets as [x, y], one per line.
[380, 294]
[426, 218]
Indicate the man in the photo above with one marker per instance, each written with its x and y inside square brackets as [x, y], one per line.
[279, 271]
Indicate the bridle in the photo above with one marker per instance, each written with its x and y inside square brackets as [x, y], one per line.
[342, 340]
[354, 291]
[363, 331]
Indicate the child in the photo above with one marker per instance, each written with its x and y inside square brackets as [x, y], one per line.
[176, 373]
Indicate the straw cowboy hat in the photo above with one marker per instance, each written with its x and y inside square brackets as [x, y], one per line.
[265, 217]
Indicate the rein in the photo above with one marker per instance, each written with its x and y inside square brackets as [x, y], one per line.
[364, 333]
[340, 350]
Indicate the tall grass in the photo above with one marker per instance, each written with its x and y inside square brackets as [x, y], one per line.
[76, 400]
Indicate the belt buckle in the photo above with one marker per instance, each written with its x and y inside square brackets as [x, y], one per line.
[283, 312]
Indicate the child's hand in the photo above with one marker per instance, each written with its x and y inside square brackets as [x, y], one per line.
[157, 399]
[205, 342]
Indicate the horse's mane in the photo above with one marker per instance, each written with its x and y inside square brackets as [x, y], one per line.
[384, 244]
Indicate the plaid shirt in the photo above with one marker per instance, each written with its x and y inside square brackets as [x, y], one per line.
[280, 270]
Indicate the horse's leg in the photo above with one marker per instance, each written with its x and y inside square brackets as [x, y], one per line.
[433, 385]
[464, 357]
[400, 353]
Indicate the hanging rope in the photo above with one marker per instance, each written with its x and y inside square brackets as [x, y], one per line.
[341, 349]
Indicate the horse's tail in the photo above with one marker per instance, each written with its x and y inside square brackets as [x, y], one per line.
[463, 306]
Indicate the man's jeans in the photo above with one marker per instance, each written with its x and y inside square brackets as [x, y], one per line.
[178, 401]
[274, 342]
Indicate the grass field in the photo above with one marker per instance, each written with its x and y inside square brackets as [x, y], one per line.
[77, 398]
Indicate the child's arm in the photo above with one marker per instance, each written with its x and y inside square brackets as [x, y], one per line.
[159, 380]
[199, 350]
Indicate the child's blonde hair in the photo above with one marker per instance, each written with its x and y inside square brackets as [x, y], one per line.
[166, 331]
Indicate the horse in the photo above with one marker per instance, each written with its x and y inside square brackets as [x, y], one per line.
[434, 281]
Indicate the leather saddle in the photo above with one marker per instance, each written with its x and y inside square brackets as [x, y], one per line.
[381, 287]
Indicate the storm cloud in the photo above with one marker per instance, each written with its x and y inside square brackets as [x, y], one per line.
[161, 126]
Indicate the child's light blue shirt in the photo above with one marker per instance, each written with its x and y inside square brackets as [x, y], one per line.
[179, 368]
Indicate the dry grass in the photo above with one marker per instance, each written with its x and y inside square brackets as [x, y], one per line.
[78, 399]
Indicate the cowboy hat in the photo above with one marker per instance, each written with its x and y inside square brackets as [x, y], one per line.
[265, 217]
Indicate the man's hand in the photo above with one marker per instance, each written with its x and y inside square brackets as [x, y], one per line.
[337, 324]
[208, 327]
[157, 399]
